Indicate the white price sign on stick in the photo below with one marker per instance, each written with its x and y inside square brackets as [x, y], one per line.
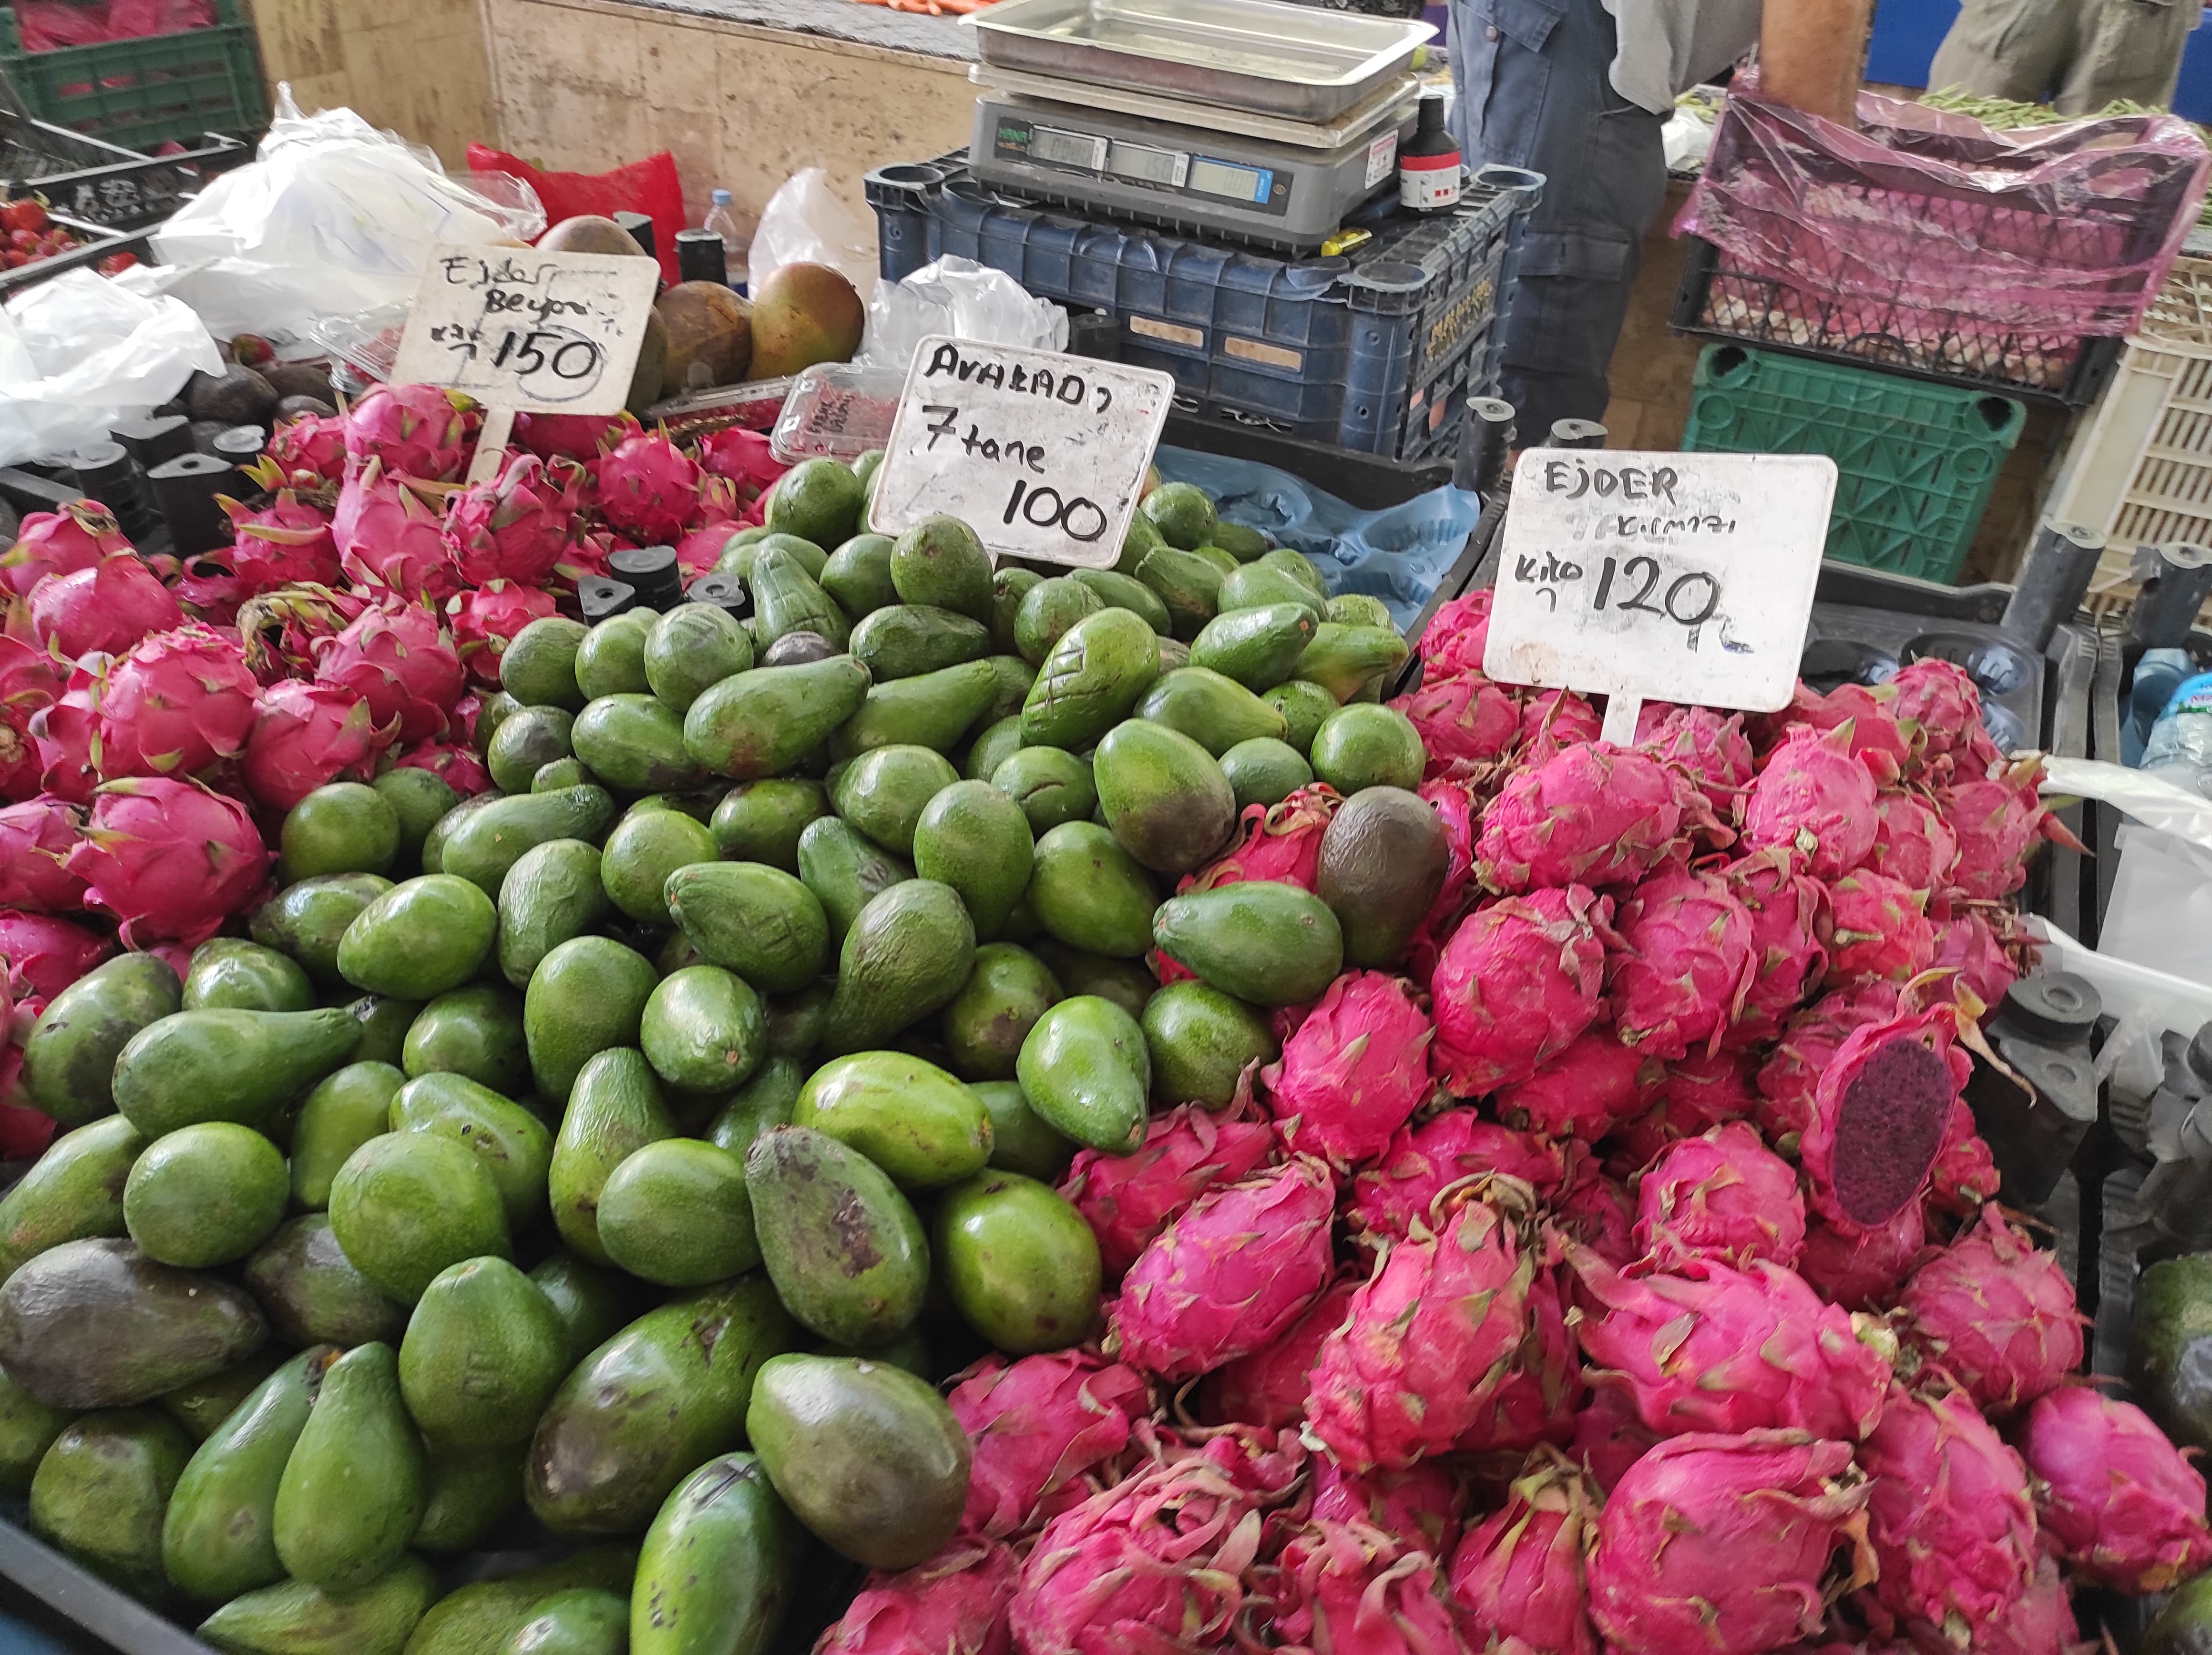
[1043, 455]
[1673, 577]
[525, 331]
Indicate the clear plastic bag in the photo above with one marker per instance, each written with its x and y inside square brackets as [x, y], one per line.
[80, 351]
[805, 223]
[959, 297]
[335, 218]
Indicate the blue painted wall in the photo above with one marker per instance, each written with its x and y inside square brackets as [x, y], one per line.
[1907, 32]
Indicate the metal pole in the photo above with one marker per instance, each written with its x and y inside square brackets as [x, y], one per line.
[2061, 561]
[2166, 610]
[1485, 433]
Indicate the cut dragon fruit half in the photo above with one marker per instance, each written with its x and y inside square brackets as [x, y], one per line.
[1889, 1130]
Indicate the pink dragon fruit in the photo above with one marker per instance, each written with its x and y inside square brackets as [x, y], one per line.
[457, 766]
[1609, 1439]
[310, 452]
[1881, 1110]
[1787, 909]
[1997, 1314]
[1912, 845]
[1458, 808]
[514, 526]
[2041, 1623]
[31, 680]
[1428, 1340]
[1965, 1174]
[1949, 1516]
[76, 536]
[1863, 1272]
[210, 592]
[484, 619]
[1537, 1399]
[1593, 815]
[579, 437]
[1705, 1346]
[1037, 1425]
[1279, 842]
[1582, 1092]
[1463, 718]
[1129, 1199]
[170, 859]
[1599, 1212]
[701, 550]
[175, 703]
[1351, 1586]
[743, 458]
[415, 431]
[398, 659]
[390, 535]
[1968, 945]
[1553, 720]
[1996, 821]
[1809, 1045]
[65, 734]
[1707, 1089]
[1683, 965]
[1400, 1189]
[2124, 1505]
[280, 544]
[35, 838]
[1721, 1544]
[1457, 634]
[955, 1603]
[1708, 746]
[1356, 1070]
[1521, 1574]
[1268, 1387]
[45, 955]
[1878, 930]
[1815, 796]
[280, 629]
[107, 607]
[1518, 981]
[1941, 700]
[1723, 1195]
[1156, 1563]
[1421, 1506]
[1229, 1275]
[305, 736]
[649, 489]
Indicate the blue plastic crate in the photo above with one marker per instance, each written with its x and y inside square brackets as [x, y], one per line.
[1362, 350]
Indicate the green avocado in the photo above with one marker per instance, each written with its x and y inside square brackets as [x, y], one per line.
[101, 1490]
[941, 562]
[1362, 747]
[1256, 647]
[1120, 590]
[476, 1032]
[407, 1204]
[352, 1489]
[1097, 672]
[73, 1193]
[483, 1350]
[976, 839]
[635, 744]
[552, 893]
[611, 660]
[427, 934]
[493, 837]
[920, 1124]
[205, 1194]
[544, 672]
[343, 828]
[1019, 1263]
[217, 1537]
[998, 743]
[1263, 940]
[719, 1566]
[1090, 893]
[227, 1065]
[1215, 711]
[906, 640]
[858, 575]
[343, 1112]
[1020, 1141]
[761, 821]
[752, 919]
[470, 1492]
[513, 1144]
[594, 1304]
[883, 792]
[1201, 1041]
[841, 1244]
[1085, 1069]
[532, 738]
[229, 973]
[908, 952]
[294, 1618]
[1164, 798]
[314, 1293]
[985, 1023]
[1264, 771]
[641, 853]
[588, 995]
[615, 1110]
[764, 721]
[675, 1214]
[845, 872]
[69, 1056]
[691, 648]
[1050, 784]
[704, 1030]
[1303, 706]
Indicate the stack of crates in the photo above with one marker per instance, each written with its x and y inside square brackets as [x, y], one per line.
[1375, 350]
[146, 92]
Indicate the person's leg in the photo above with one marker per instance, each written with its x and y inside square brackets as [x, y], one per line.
[2015, 49]
[1539, 97]
[2131, 49]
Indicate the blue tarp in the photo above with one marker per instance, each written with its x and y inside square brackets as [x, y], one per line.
[1398, 554]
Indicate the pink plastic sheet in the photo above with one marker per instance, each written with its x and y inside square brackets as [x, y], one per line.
[2059, 231]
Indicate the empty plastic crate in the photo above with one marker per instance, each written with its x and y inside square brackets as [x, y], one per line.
[1374, 350]
[101, 183]
[1916, 461]
[2139, 469]
[146, 92]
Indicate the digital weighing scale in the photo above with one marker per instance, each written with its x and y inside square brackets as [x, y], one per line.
[1244, 119]
[1266, 179]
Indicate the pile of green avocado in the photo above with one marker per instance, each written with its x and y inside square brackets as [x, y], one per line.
[703, 1086]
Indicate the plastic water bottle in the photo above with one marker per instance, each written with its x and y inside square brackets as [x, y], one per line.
[737, 240]
[2158, 675]
[2180, 744]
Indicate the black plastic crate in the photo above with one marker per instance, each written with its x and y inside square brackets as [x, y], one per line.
[101, 183]
[1374, 350]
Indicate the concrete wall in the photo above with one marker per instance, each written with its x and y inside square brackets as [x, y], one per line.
[419, 67]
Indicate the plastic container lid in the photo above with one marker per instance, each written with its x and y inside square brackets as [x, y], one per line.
[841, 410]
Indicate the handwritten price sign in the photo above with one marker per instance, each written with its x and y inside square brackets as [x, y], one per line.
[1042, 454]
[528, 331]
[1671, 576]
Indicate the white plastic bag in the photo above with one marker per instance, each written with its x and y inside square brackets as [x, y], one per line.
[80, 351]
[805, 223]
[962, 298]
[335, 218]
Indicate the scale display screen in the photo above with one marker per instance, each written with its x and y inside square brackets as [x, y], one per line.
[1216, 178]
[1056, 148]
[1147, 163]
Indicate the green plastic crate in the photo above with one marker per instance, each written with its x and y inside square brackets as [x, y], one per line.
[1916, 460]
[144, 92]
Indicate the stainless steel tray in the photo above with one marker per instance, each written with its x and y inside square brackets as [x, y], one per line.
[1257, 55]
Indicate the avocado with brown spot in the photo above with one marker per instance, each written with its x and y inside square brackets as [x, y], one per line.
[1384, 859]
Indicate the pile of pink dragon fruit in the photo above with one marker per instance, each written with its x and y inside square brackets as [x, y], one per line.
[158, 719]
[1625, 1276]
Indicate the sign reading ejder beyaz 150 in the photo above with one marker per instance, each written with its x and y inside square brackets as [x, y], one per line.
[537, 332]
[1043, 455]
[1670, 576]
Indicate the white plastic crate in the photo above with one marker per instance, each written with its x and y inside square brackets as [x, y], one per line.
[2139, 469]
